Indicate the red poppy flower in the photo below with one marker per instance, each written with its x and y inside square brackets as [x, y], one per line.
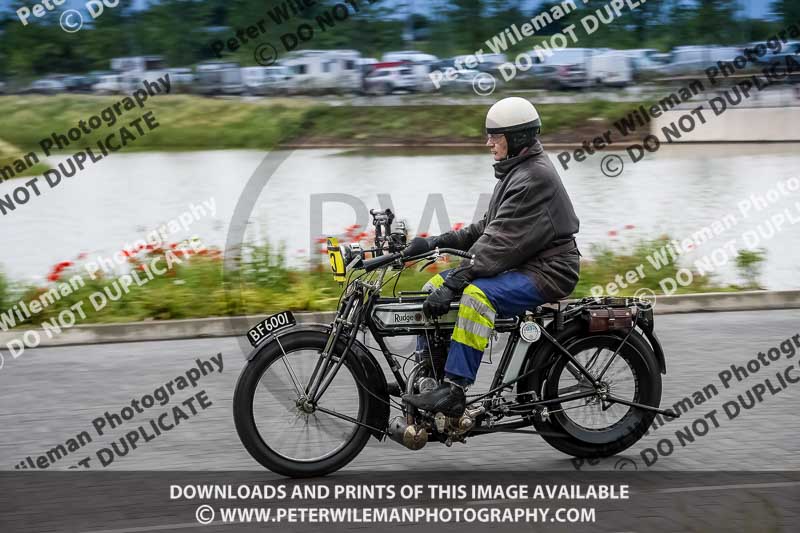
[612, 233]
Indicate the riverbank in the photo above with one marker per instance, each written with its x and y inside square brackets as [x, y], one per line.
[195, 123]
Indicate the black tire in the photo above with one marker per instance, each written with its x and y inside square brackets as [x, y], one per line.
[565, 434]
[247, 426]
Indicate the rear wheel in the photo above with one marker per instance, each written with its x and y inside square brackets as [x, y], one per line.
[590, 427]
[280, 428]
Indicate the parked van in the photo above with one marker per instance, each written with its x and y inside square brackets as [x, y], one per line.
[692, 59]
[323, 71]
[611, 68]
[646, 60]
[570, 68]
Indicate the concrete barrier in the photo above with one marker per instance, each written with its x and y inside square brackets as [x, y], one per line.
[736, 125]
[160, 330]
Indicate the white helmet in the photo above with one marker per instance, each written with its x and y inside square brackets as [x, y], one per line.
[512, 114]
[517, 119]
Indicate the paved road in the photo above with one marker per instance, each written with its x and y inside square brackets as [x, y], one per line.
[51, 395]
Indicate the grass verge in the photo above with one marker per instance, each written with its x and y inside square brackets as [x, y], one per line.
[195, 123]
[195, 286]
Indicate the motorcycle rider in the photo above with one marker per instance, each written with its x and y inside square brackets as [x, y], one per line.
[524, 252]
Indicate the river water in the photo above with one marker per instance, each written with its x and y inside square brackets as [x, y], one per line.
[677, 191]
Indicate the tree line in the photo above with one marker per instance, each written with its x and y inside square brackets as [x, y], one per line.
[182, 30]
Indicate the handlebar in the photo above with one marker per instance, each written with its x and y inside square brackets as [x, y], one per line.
[453, 251]
[377, 262]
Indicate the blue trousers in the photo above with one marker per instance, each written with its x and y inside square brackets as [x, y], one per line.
[507, 294]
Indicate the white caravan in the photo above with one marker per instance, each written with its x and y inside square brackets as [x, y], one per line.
[323, 71]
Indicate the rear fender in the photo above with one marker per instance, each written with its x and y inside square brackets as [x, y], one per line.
[645, 323]
[371, 375]
[655, 343]
[542, 354]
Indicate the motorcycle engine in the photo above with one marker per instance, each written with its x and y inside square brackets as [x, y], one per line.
[425, 384]
[456, 426]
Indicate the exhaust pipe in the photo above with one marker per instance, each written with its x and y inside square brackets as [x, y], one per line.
[413, 436]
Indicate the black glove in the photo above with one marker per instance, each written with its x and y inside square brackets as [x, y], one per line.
[438, 302]
[419, 245]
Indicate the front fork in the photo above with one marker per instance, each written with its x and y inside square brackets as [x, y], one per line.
[327, 364]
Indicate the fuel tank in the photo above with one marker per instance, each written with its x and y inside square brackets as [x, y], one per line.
[407, 316]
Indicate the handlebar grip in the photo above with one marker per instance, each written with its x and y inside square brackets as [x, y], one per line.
[453, 251]
[377, 262]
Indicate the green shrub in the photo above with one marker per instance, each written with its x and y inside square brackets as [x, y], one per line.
[750, 263]
[5, 297]
[606, 264]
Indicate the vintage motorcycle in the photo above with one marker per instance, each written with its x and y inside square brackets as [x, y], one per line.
[586, 375]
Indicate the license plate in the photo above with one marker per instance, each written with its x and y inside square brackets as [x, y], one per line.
[270, 324]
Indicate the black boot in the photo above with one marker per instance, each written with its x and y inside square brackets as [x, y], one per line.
[447, 398]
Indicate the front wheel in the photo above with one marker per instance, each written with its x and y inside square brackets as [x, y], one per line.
[280, 429]
[590, 427]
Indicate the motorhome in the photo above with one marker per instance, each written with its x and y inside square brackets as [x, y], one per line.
[409, 55]
[138, 63]
[323, 71]
[218, 77]
[265, 80]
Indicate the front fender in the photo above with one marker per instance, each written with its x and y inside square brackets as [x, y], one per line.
[309, 326]
[371, 376]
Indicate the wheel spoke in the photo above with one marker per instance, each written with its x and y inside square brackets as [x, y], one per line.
[300, 431]
[618, 377]
[289, 369]
[285, 402]
[569, 390]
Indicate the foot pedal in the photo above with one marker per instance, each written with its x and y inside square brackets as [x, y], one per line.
[394, 389]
